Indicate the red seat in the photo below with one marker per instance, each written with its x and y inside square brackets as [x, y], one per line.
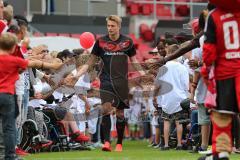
[163, 11]
[38, 34]
[76, 35]
[147, 9]
[148, 35]
[133, 8]
[64, 34]
[51, 34]
[182, 10]
[143, 27]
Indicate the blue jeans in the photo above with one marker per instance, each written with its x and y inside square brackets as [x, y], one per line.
[194, 122]
[7, 126]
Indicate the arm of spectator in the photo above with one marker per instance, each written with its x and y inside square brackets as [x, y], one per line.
[186, 47]
[194, 84]
[45, 65]
[87, 105]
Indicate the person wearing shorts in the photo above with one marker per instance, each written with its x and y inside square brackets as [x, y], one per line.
[221, 50]
[113, 49]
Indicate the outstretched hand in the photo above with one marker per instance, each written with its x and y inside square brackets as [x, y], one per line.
[69, 81]
[156, 63]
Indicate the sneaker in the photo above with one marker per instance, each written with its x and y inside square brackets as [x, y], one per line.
[98, 145]
[44, 140]
[107, 147]
[179, 148]
[164, 148]
[74, 145]
[152, 144]
[236, 150]
[44, 145]
[118, 148]
[220, 156]
[157, 146]
[21, 152]
[200, 150]
[79, 137]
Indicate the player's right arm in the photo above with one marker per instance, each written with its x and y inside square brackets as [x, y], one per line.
[71, 79]
[83, 69]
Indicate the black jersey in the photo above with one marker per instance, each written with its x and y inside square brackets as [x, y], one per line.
[114, 55]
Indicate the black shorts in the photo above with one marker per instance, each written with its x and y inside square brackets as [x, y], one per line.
[115, 93]
[226, 96]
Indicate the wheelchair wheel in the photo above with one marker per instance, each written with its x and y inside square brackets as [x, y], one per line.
[55, 148]
[45, 131]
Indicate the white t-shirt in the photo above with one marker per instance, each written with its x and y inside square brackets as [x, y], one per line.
[83, 84]
[23, 81]
[201, 89]
[176, 81]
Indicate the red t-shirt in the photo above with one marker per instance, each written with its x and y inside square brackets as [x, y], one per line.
[3, 26]
[9, 68]
[223, 34]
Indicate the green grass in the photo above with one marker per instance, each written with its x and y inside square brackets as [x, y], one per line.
[133, 150]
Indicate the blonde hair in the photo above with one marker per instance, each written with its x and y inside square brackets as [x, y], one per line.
[8, 13]
[115, 18]
[54, 54]
[8, 41]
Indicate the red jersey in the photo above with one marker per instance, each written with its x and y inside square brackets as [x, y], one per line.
[222, 43]
[9, 68]
[227, 5]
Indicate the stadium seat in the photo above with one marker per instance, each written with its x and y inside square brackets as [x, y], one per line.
[147, 9]
[38, 34]
[148, 35]
[64, 34]
[133, 8]
[163, 11]
[76, 35]
[52, 34]
[142, 28]
[182, 10]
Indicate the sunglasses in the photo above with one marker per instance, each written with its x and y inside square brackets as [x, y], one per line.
[45, 51]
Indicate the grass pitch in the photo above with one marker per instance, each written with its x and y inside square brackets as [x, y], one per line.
[132, 150]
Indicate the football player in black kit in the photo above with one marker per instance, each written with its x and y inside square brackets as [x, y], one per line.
[114, 49]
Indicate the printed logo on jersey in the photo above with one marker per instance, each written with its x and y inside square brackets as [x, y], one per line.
[109, 46]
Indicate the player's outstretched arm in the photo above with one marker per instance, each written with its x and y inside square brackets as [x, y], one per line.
[72, 79]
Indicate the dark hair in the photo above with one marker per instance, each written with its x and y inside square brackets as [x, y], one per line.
[168, 35]
[5, 4]
[64, 54]
[201, 21]
[21, 18]
[21, 21]
[13, 29]
[182, 37]
[78, 52]
[210, 6]
[170, 41]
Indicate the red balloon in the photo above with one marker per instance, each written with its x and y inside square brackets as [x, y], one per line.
[87, 40]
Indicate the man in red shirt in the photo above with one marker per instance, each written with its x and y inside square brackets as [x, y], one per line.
[222, 51]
